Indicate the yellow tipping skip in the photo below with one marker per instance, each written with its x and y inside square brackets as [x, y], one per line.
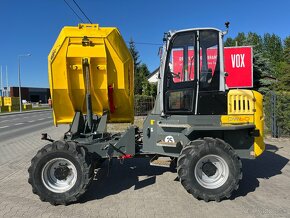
[246, 107]
[111, 73]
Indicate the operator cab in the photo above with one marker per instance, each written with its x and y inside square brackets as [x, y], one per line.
[193, 72]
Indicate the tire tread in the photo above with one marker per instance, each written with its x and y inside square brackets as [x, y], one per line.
[193, 150]
[79, 154]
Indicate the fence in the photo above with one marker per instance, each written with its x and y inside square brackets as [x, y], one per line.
[277, 113]
[143, 105]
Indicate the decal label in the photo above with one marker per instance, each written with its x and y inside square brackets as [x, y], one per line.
[169, 139]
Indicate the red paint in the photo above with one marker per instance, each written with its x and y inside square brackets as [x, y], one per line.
[126, 156]
[111, 98]
[238, 64]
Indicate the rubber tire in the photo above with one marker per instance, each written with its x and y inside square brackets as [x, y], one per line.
[197, 149]
[60, 149]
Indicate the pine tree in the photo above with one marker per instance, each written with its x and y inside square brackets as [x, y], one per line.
[229, 42]
[143, 71]
[273, 47]
[286, 52]
[262, 73]
[283, 68]
[255, 40]
[137, 76]
[134, 53]
[241, 39]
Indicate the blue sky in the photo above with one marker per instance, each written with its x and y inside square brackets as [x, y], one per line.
[32, 26]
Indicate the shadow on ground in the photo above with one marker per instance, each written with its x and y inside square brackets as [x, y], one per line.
[123, 177]
[268, 165]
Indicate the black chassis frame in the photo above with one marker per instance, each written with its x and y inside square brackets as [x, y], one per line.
[98, 142]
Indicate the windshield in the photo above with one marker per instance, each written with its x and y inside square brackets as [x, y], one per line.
[181, 64]
[192, 67]
[181, 60]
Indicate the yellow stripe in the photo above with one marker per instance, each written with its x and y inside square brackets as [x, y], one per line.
[237, 119]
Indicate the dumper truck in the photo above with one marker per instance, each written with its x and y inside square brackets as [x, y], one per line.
[196, 122]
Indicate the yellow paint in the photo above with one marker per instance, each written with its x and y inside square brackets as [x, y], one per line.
[240, 101]
[27, 106]
[237, 119]
[246, 107]
[110, 64]
[11, 101]
[152, 122]
[259, 145]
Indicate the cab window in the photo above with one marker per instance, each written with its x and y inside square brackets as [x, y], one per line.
[209, 74]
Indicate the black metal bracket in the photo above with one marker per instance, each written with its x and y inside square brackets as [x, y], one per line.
[126, 141]
[44, 137]
[86, 71]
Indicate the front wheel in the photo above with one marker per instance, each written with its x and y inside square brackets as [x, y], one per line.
[209, 169]
[60, 173]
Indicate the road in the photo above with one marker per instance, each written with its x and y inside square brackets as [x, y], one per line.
[14, 125]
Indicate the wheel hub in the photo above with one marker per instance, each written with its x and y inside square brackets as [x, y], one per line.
[61, 172]
[211, 171]
[59, 175]
[209, 168]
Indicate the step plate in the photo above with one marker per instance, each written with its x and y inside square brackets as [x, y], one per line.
[166, 144]
[161, 162]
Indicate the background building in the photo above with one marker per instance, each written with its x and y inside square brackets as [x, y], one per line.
[153, 77]
[31, 94]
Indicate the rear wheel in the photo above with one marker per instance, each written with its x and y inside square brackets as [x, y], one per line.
[60, 173]
[209, 169]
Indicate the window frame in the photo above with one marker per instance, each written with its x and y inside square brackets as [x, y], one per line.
[170, 86]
